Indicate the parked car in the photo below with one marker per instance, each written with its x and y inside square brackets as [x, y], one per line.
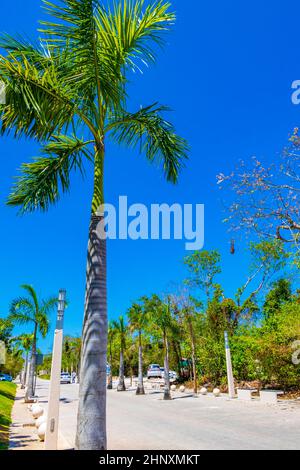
[154, 371]
[5, 378]
[65, 378]
[172, 374]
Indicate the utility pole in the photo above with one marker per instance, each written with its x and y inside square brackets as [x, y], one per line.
[51, 436]
[230, 380]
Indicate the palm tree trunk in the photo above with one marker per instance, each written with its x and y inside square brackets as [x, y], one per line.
[140, 388]
[178, 356]
[91, 421]
[167, 393]
[193, 355]
[29, 394]
[24, 377]
[110, 378]
[121, 384]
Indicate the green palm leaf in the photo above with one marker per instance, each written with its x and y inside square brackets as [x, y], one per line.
[40, 181]
[21, 311]
[78, 30]
[39, 101]
[130, 30]
[156, 137]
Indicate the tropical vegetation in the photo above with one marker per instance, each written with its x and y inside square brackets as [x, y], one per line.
[30, 310]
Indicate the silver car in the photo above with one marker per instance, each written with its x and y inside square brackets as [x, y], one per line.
[154, 371]
[65, 378]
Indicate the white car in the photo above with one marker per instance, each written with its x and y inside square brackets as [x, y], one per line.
[154, 371]
[65, 378]
[172, 374]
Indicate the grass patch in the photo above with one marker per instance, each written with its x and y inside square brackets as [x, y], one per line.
[7, 396]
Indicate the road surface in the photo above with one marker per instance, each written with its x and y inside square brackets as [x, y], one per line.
[186, 422]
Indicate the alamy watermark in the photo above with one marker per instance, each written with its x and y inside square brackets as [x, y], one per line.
[158, 222]
[2, 93]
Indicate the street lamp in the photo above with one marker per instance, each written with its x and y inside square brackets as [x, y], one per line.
[51, 436]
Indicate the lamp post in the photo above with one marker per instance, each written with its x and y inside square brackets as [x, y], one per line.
[230, 380]
[51, 436]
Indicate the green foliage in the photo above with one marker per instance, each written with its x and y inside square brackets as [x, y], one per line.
[40, 181]
[7, 396]
[13, 364]
[6, 327]
[280, 293]
[263, 335]
[154, 136]
[73, 82]
[203, 266]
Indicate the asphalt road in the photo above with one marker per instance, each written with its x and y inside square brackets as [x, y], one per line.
[187, 422]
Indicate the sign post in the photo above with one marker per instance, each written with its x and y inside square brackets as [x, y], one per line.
[230, 380]
[51, 436]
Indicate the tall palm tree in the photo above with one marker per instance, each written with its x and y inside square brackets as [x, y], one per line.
[160, 315]
[25, 342]
[121, 331]
[138, 319]
[69, 93]
[111, 335]
[32, 311]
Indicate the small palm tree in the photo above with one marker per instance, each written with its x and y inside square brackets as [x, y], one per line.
[32, 311]
[121, 332]
[111, 336]
[24, 342]
[69, 94]
[138, 320]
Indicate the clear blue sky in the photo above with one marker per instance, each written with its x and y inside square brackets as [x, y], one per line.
[227, 73]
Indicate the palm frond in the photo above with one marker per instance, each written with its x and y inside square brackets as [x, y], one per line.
[18, 48]
[25, 341]
[75, 25]
[32, 293]
[39, 99]
[156, 137]
[43, 323]
[130, 31]
[48, 305]
[21, 311]
[40, 181]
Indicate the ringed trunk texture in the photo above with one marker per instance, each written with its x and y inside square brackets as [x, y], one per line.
[110, 378]
[91, 421]
[167, 393]
[121, 384]
[140, 388]
[24, 376]
[29, 394]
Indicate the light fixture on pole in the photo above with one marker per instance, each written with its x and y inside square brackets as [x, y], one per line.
[230, 379]
[51, 436]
